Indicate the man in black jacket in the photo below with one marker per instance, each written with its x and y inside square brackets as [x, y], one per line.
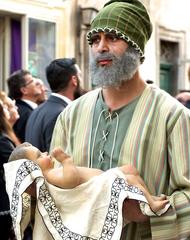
[63, 76]
[23, 88]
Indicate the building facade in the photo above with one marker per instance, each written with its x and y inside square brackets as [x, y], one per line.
[168, 51]
[32, 33]
[167, 54]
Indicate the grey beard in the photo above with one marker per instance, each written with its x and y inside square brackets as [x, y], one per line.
[122, 69]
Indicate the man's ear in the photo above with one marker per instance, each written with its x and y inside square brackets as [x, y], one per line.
[74, 80]
[23, 90]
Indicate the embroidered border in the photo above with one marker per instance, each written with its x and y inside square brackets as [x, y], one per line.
[24, 170]
[55, 218]
[111, 220]
[48, 202]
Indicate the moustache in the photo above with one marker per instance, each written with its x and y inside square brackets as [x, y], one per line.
[103, 56]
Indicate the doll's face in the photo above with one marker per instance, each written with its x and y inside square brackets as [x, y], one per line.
[44, 160]
[33, 153]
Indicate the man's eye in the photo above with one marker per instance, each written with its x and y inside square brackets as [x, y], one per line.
[95, 39]
[112, 37]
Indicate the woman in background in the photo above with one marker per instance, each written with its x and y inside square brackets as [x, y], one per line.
[8, 141]
[11, 113]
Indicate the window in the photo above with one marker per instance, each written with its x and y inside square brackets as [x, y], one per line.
[41, 46]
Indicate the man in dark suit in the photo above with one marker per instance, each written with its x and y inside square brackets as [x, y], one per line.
[63, 76]
[23, 88]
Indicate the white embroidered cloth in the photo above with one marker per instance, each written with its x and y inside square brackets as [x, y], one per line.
[91, 211]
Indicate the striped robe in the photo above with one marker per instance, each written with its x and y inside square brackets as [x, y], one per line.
[156, 143]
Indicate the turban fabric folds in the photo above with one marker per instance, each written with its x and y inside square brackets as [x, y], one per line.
[128, 19]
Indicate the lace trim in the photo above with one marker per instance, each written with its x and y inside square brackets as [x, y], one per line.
[104, 134]
[119, 34]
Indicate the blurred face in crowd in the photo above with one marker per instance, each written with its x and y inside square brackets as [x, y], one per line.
[43, 96]
[30, 90]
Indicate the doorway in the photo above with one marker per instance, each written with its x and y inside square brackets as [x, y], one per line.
[10, 46]
[169, 55]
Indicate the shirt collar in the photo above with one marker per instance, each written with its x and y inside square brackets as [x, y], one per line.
[32, 104]
[66, 99]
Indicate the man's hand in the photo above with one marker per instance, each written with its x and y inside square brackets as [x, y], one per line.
[132, 212]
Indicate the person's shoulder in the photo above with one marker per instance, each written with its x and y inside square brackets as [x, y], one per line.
[34, 113]
[20, 102]
[84, 99]
[23, 107]
[39, 111]
[53, 105]
[78, 106]
[162, 94]
[167, 102]
[45, 114]
[56, 99]
[6, 141]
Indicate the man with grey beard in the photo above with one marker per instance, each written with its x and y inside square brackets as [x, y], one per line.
[127, 121]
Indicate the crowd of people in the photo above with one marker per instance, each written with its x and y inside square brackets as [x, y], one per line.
[125, 122]
[27, 113]
[63, 76]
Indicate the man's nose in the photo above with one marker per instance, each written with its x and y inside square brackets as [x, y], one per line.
[103, 46]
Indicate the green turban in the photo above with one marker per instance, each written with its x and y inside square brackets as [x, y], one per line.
[128, 19]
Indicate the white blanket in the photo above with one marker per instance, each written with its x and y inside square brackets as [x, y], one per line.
[90, 211]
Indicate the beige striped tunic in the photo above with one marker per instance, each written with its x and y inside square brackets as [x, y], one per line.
[157, 144]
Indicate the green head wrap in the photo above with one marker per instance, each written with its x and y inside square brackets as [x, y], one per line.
[128, 19]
